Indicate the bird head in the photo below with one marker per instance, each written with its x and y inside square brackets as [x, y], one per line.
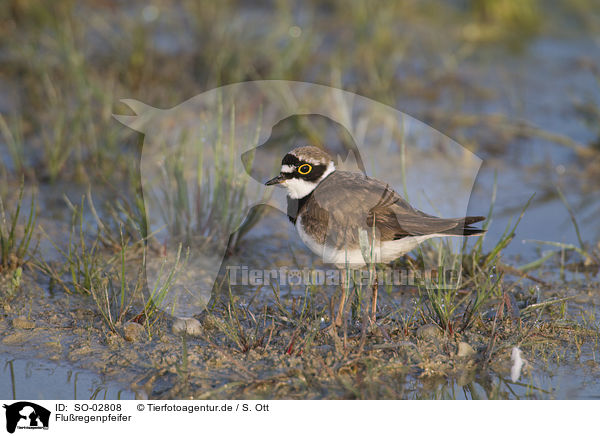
[302, 169]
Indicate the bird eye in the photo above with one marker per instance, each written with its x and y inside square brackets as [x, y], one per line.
[304, 169]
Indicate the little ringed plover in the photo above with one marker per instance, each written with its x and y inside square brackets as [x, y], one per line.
[336, 211]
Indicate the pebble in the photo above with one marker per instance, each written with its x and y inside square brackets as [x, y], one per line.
[465, 350]
[429, 332]
[188, 326]
[133, 332]
[23, 323]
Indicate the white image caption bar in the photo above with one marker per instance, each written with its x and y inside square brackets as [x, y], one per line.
[290, 417]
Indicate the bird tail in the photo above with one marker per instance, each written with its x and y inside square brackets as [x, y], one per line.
[463, 227]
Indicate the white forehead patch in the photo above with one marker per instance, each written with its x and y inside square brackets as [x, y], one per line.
[309, 160]
[287, 168]
[314, 162]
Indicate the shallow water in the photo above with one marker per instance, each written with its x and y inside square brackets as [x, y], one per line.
[37, 379]
[574, 383]
[542, 87]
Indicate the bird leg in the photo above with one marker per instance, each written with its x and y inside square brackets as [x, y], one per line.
[339, 319]
[374, 298]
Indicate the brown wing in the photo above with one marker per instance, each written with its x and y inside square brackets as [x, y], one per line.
[395, 219]
[369, 202]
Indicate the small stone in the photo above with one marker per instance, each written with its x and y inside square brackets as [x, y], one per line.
[429, 332]
[23, 323]
[465, 350]
[133, 332]
[187, 326]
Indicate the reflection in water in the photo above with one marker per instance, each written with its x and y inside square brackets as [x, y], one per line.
[568, 381]
[483, 387]
[27, 379]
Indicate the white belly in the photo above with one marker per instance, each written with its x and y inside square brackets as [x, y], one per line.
[383, 252]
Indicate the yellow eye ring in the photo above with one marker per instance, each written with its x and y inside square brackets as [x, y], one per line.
[304, 169]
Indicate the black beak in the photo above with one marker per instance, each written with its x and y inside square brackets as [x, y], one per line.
[275, 180]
